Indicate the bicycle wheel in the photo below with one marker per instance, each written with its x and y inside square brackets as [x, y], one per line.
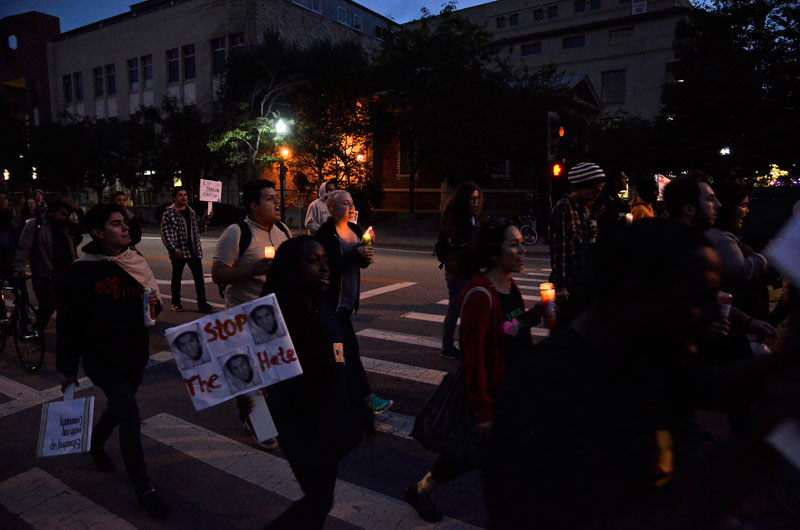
[27, 339]
[529, 235]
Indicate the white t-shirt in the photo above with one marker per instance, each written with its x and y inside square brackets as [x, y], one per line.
[227, 253]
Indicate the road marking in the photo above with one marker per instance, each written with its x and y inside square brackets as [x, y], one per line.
[395, 424]
[403, 371]
[26, 397]
[386, 289]
[414, 340]
[427, 317]
[43, 501]
[353, 504]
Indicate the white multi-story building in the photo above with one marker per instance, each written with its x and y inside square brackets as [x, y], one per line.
[625, 47]
[111, 68]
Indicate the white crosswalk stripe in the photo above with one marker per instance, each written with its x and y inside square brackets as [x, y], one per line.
[44, 502]
[353, 504]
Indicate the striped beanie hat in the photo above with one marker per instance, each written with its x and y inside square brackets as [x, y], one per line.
[585, 174]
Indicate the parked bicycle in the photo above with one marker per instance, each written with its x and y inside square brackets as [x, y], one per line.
[527, 227]
[20, 324]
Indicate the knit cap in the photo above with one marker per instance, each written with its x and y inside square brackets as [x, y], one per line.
[585, 174]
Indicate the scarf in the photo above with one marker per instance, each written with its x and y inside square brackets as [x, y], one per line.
[131, 262]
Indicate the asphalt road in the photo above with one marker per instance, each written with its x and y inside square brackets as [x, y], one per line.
[211, 471]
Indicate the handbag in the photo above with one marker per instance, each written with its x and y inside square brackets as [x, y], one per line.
[446, 424]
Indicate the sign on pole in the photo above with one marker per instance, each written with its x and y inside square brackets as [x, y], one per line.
[211, 191]
[233, 352]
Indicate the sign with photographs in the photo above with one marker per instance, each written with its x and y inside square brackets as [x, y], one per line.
[233, 352]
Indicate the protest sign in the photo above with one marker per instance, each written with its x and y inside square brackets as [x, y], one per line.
[210, 190]
[233, 352]
[66, 426]
[783, 252]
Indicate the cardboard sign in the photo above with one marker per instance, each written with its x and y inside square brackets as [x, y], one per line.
[783, 251]
[66, 426]
[210, 190]
[233, 352]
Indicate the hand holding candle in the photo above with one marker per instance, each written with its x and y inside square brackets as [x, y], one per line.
[628, 218]
[368, 239]
[269, 252]
[548, 292]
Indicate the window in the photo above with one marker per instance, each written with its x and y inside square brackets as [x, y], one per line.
[531, 48]
[580, 6]
[12, 42]
[380, 32]
[612, 87]
[77, 77]
[111, 79]
[341, 15]
[97, 74]
[552, 12]
[500, 168]
[173, 66]
[188, 62]
[513, 20]
[620, 34]
[501, 22]
[538, 14]
[578, 41]
[66, 84]
[236, 40]
[594, 4]
[357, 22]
[313, 5]
[133, 75]
[217, 56]
[147, 70]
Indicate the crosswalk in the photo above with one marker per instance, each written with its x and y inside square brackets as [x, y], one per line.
[355, 504]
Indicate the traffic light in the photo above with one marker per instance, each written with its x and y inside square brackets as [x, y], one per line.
[557, 169]
[554, 134]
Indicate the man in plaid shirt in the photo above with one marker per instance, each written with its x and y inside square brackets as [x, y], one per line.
[571, 236]
[180, 232]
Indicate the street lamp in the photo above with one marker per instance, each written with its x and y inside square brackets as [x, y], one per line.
[284, 155]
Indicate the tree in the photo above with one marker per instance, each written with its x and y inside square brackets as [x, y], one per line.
[738, 71]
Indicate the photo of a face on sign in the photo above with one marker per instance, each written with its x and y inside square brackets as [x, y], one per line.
[239, 370]
[264, 324]
[189, 349]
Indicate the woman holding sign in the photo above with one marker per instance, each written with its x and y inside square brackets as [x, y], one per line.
[347, 254]
[319, 417]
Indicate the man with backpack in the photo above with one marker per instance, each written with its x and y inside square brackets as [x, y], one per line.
[240, 266]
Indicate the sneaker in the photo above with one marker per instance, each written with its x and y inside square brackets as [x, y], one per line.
[102, 461]
[154, 505]
[449, 353]
[177, 308]
[423, 504]
[205, 308]
[378, 405]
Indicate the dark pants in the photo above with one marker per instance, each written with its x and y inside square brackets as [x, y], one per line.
[122, 410]
[357, 377]
[51, 295]
[454, 287]
[196, 266]
[316, 475]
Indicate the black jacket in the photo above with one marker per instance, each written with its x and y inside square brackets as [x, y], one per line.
[328, 238]
[105, 322]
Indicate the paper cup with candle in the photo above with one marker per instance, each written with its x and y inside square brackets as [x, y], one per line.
[725, 301]
[367, 239]
[269, 252]
[629, 218]
[548, 293]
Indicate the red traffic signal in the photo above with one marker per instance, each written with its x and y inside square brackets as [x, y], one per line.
[557, 169]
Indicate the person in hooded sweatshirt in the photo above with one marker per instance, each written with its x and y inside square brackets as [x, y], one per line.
[105, 305]
[318, 210]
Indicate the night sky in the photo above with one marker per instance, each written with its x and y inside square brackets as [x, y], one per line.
[77, 13]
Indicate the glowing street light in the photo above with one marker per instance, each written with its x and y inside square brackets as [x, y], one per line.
[725, 151]
[280, 126]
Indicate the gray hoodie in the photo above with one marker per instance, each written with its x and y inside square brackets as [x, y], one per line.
[317, 210]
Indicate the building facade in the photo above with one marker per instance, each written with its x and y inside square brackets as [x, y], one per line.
[111, 68]
[625, 47]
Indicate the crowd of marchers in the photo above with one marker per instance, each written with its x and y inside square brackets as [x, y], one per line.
[594, 427]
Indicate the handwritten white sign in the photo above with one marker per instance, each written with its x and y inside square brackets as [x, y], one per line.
[234, 352]
[210, 190]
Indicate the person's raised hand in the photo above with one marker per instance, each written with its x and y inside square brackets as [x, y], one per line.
[68, 380]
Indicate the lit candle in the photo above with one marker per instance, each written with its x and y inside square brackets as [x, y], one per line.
[548, 293]
[269, 252]
[629, 218]
[367, 239]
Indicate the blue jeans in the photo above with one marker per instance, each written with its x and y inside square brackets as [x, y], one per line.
[454, 287]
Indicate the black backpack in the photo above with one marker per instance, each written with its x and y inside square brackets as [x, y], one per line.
[245, 238]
